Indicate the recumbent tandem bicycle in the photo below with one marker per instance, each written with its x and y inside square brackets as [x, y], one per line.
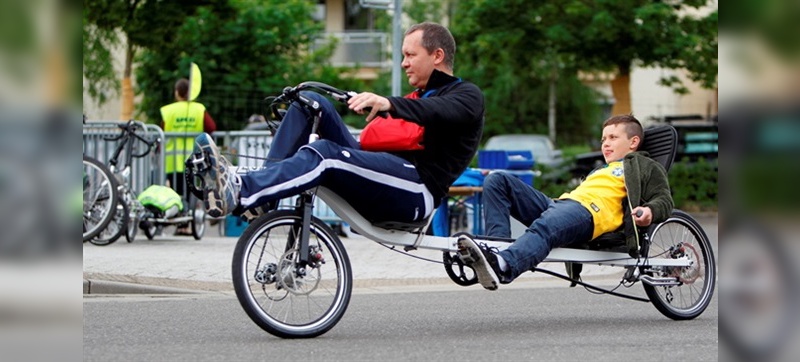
[292, 275]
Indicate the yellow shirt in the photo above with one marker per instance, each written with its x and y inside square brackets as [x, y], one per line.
[186, 117]
[601, 193]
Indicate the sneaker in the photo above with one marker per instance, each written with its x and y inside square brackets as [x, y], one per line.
[254, 213]
[483, 259]
[220, 184]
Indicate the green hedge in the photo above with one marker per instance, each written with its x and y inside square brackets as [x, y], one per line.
[694, 185]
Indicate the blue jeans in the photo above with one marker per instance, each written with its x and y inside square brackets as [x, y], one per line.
[552, 223]
[379, 185]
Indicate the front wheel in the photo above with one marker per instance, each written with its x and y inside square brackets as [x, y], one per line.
[198, 220]
[280, 295]
[100, 197]
[681, 236]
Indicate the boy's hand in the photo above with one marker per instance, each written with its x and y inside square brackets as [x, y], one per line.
[642, 215]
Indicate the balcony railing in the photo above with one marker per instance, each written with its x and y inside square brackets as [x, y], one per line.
[367, 49]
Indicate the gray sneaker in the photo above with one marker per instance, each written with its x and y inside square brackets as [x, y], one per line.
[482, 260]
[220, 184]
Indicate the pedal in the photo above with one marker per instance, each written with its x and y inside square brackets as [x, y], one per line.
[198, 161]
[466, 256]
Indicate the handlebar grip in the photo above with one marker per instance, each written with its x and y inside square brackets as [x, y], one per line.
[638, 213]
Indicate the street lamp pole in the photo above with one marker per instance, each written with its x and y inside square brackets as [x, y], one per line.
[397, 45]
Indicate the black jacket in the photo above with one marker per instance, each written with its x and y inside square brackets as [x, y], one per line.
[453, 121]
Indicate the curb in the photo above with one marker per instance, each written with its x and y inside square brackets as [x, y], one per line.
[91, 286]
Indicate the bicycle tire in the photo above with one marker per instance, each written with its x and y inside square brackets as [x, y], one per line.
[132, 226]
[149, 228]
[758, 318]
[198, 220]
[270, 290]
[100, 197]
[115, 229]
[670, 239]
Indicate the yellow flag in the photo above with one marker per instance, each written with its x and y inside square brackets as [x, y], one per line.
[195, 82]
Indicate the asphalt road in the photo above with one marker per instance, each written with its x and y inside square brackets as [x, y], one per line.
[551, 323]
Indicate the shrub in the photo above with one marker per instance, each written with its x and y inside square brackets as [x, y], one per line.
[694, 185]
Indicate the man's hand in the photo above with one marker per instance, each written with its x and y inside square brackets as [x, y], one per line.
[642, 215]
[369, 100]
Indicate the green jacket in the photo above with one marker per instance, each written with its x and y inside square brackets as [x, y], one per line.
[647, 185]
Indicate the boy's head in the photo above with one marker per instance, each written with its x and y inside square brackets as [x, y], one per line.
[621, 136]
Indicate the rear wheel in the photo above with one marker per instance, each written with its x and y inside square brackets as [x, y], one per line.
[100, 197]
[681, 236]
[280, 295]
[149, 228]
[759, 316]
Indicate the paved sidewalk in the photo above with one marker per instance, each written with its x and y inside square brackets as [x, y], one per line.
[178, 264]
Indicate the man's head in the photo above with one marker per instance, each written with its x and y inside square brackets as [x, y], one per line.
[182, 89]
[427, 46]
[621, 136]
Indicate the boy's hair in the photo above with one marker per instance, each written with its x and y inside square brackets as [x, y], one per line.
[182, 87]
[632, 126]
[435, 36]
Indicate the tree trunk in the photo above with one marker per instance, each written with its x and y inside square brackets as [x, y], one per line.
[127, 86]
[621, 87]
[551, 110]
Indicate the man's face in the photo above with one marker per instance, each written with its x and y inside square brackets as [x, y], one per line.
[616, 143]
[417, 63]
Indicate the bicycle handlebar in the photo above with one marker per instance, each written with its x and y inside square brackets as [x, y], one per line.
[290, 94]
[129, 129]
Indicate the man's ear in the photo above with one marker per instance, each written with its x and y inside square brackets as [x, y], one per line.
[438, 56]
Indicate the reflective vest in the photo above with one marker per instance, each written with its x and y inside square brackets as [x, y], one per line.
[184, 117]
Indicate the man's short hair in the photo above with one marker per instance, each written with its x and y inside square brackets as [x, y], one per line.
[632, 126]
[182, 87]
[435, 36]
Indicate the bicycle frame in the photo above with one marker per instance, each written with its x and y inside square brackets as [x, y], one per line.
[275, 273]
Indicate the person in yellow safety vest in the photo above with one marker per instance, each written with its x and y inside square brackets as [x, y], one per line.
[186, 117]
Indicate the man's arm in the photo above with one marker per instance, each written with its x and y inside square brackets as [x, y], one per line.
[463, 103]
[209, 126]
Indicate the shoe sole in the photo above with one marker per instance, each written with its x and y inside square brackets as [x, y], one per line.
[474, 258]
[214, 203]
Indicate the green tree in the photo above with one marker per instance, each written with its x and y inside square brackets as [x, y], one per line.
[256, 51]
[514, 47]
[515, 51]
[612, 35]
[145, 25]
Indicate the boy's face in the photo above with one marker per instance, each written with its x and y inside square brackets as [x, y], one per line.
[616, 143]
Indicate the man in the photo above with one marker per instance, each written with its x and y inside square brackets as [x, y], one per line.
[187, 117]
[182, 116]
[595, 207]
[400, 186]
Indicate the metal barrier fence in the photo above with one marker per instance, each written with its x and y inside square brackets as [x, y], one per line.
[243, 148]
[145, 171]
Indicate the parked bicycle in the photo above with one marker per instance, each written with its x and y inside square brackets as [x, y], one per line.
[124, 211]
[293, 278]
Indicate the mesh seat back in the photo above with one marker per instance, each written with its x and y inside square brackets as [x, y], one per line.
[661, 142]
